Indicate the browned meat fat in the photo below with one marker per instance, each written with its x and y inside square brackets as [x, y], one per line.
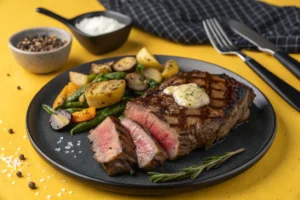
[113, 147]
[179, 130]
[149, 153]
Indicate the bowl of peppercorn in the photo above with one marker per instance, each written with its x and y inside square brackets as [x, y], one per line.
[41, 50]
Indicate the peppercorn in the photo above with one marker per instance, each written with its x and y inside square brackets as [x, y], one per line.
[40, 43]
[19, 174]
[19, 88]
[8, 74]
[10, 131]
[22, 157]
[31, 185]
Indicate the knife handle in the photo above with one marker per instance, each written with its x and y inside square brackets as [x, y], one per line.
[289, 62]
[287, 92]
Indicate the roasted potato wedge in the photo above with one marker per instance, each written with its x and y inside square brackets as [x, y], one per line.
[61, 97]
[78, 79]
[152, 73]
[170, 68]
[105, 93]
[147, 59]
[101, 68]
[84, 115]
[71, 88]
[126, 64]
[136, 81]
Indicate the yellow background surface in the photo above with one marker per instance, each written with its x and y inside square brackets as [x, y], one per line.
[276, 176]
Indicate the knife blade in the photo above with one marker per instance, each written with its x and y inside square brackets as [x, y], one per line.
[265, 46]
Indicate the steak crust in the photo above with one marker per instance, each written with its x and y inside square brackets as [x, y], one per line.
[180, 130]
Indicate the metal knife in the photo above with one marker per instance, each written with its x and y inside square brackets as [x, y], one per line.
[266, 46]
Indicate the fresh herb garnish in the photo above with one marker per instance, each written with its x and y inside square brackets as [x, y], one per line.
[140, 68]
[153, 84]
[194, 171]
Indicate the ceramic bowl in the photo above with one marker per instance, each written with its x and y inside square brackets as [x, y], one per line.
[41, 62]
[98, 44]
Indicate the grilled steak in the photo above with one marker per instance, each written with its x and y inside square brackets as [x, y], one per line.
[149, 153]
[180, 130]
[113, 147]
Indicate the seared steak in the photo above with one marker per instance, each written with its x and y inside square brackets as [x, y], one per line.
[113, 147]
[149, 153]
[180, 130]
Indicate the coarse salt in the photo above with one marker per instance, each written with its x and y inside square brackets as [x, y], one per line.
[70, 192]
[63, 189]
[37, 193]
[4, 170]
[98, 25]
[13, 182]
[49, 196]
[45, 187]
[57, 149]
[61, 138]
[64, 181]
[79, 151]
[42, 180]
[59, 194]
[43, 170]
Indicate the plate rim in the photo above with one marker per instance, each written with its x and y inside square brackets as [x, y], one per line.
[208, 181]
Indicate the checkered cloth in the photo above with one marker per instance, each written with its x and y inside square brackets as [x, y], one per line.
[181, 20]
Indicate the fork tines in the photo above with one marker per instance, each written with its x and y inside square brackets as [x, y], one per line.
[217, 35]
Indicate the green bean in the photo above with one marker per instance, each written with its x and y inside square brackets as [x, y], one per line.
[115, 75]
[72, 110]
[75, 104]
[92, 77]
[113, 110]
[48, 109]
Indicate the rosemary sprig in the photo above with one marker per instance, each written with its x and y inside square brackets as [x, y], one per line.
[192, 172]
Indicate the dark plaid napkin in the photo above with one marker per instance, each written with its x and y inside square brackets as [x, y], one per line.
[181, 20]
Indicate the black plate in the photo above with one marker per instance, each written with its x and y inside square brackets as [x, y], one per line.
[255, 136]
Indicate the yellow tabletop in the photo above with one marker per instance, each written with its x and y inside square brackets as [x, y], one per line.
[275, 176]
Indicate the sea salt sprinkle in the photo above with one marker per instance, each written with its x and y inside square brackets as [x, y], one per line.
[98, 25]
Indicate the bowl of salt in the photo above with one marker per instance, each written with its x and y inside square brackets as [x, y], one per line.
[98, 32]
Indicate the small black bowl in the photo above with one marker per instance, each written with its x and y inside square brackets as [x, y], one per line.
[98, 44]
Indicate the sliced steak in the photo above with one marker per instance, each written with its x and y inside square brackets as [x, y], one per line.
[113, 147]
[149, 153]
[180, 130]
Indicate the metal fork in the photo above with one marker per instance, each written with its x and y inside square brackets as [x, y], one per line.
[223, 45]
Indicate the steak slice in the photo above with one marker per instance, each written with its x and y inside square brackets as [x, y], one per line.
[113, 147]
[149, 153]
[180, 130]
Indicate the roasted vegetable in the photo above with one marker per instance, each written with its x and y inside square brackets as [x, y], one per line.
[136, 81]
[154, 74]
[61, 98]
[153, 84]
[140, 68]
[71, 88]
[75, 104]
[170, 68]
[84, 115]
[99, 78]
[101, 68]
[82, 98]
[147, 59]
[113, 110]
[71, 110]
[48, 109]
[78, 78]
[105, 93]
[126, 64]
[60, 119]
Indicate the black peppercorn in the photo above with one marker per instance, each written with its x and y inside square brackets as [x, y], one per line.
[19, 88]
[8, 74]
[10, 131]
[19, 174]
[31, 185]
[22, 157]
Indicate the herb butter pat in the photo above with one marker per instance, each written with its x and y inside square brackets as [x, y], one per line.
[188, 95]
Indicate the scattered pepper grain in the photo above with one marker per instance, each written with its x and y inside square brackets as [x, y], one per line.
[10, 131]
[19, 87]
[19, 174]
[22, 157]
[32, 185]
